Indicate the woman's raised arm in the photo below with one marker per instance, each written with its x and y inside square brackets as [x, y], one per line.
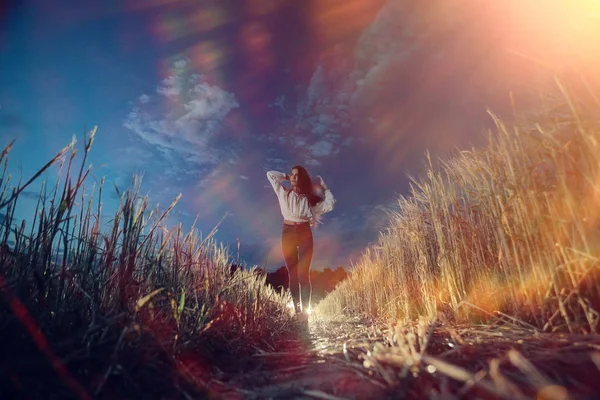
[276, 177]
[328, 203]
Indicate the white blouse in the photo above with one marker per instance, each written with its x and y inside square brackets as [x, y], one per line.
[295, 207]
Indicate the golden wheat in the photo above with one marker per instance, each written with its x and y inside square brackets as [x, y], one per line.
[512, 229]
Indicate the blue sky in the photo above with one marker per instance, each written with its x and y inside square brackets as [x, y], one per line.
[204, 98]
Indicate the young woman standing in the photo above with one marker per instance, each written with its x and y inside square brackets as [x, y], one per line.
[301, 207]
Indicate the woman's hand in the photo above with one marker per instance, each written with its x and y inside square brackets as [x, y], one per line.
[321, 182]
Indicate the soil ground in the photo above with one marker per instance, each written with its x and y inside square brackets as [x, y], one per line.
[353, 360]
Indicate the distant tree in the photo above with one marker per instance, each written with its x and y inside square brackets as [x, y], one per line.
[235, 267]
[279, 279]
[325, 281]
[340, 274]
[322, 282]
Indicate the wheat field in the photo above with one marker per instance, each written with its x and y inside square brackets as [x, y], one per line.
[509, 231]
[97, 297]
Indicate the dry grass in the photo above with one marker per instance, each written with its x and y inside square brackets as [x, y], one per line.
[510, 231]
[88, 309]
[488, 271]
[437, 360]
[506, 236]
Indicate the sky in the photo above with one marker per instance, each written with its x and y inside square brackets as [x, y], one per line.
[203, 97]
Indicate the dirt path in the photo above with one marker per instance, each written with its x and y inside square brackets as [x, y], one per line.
[321, 363]
[472, 361]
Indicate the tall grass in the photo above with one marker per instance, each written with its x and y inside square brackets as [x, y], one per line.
[124, 307]
[510, 231]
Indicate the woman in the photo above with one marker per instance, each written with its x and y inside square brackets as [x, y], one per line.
[301, 208]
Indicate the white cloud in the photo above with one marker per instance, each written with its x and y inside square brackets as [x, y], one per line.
[177, 136]
[181, 63]
[342, 83]
[214, 174]
[276, 163]
[184, 118]
[377, 218]
[170, 87]
[135, 154]
[311, 162]
[390, 39]
[278, 103]
[313, 124]
[322, 148]
[364, 221]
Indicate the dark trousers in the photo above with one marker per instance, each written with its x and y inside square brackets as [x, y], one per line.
[297, 246]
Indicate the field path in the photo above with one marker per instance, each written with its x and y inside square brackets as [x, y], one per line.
[326, 362]
[321, 363]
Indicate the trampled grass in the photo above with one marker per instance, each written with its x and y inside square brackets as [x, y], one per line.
[117, 310]
[511, 231]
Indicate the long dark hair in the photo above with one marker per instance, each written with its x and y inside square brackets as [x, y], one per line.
[305, 186]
